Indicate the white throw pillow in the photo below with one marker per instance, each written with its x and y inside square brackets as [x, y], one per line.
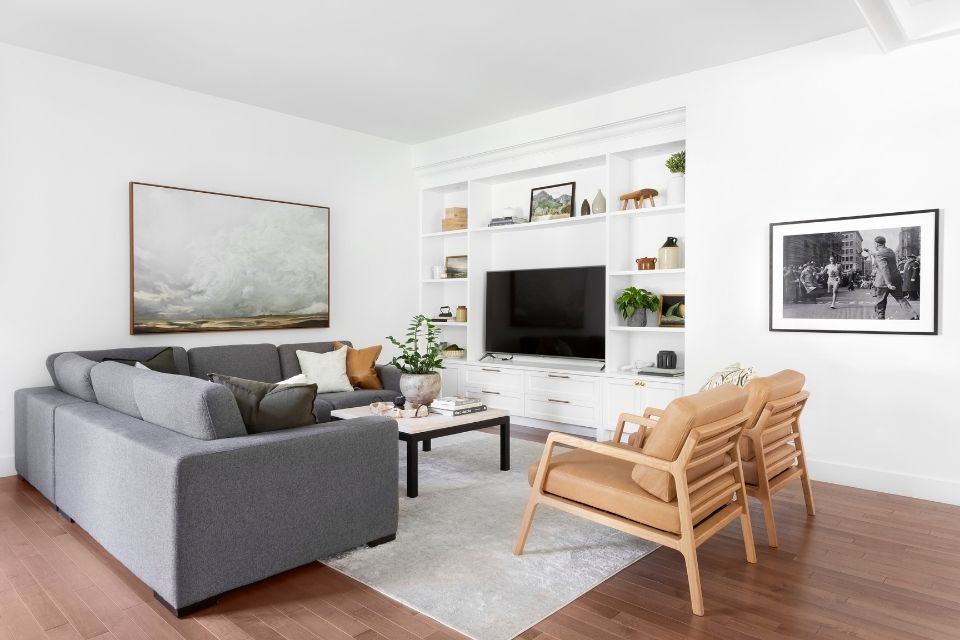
[735, 374]
[327, 370]
[297, 379]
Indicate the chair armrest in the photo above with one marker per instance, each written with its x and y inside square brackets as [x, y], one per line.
[630, 418]
[629, 454]
[651, 412]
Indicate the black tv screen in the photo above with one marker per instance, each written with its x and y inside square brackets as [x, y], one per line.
[546, 312]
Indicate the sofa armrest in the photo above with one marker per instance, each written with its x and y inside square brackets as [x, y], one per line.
[389, 376]
[195, 518]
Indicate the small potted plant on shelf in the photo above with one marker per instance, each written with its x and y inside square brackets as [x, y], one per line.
[633, 303]
[419, 361]
[676, 188]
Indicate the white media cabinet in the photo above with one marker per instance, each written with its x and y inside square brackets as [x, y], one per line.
[547, 393]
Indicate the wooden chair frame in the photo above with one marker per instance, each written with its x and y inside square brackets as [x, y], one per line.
[775, 415]
[703, 444]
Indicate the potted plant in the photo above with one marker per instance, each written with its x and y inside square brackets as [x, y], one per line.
[633, 303]
[419, 361]
[676, 188]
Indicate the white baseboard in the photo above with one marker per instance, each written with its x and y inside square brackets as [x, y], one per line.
[901, 484]
[7, 466]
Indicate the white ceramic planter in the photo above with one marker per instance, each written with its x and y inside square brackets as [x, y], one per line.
[676, 189]
[421, 388]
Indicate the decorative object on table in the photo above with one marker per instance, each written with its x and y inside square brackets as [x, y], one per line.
[668, 256]
[456, 266]
[844, 274]
[672, 310]
[400, 402]
[633, 303]
[676, 187]
[391, 410]
[454, 219]
[585, 208]
[454, 351]
[419, 361]
[186, 247]
[461, 313]
[438, 271]
[666, 360]
[552, 202]
[445, 312]
[735, 374]
[599, 202]
[638, 197]
[646, 264]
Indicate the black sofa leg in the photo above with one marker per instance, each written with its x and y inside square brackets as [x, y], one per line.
[383, 540]
[65, 516]
[187, 610]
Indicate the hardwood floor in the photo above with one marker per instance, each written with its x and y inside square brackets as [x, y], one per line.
[869, 565]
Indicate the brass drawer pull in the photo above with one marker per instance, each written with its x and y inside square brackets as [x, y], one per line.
[639, 383]
[557, 375]
[494, 393]
[558, 401]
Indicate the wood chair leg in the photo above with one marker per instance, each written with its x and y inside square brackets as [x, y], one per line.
[693, 577]
[525, 525]
[747, 528]
[807, 492]
[768, 522]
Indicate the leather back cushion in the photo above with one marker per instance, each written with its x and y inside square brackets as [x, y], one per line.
[251, 361]
[72, 372]
[667, 439]
[760, 391]
[140, 354]
[290, 364]
[113, 384]
[195, 408]
[362, 366]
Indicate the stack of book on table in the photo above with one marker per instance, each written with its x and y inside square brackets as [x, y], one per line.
[456, 406]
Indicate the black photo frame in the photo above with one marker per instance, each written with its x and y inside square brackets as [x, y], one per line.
[572, 202]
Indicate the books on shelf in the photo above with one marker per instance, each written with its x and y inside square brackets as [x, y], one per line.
[505, 220]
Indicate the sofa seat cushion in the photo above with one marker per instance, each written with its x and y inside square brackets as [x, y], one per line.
[72, 373]
[781, 453]
[357, 398]
[605, 483]
[250, 361]
[760, 391]
[192, 407]
[290, 364]
[269, 407]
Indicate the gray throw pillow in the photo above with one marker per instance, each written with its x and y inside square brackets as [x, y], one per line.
[268, 407]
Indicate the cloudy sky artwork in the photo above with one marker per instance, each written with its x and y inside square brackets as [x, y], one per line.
[201, 256]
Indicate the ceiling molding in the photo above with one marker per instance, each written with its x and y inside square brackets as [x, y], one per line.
[900, 23]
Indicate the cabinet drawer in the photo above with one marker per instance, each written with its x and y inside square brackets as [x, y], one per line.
[564, 386]
[496, 400]
[561, 411]
[493, 378]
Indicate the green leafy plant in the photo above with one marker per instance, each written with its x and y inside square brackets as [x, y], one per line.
[677, 163]
[633, 299]
[420, 334]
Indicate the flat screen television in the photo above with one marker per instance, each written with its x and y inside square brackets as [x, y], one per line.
[546, 312]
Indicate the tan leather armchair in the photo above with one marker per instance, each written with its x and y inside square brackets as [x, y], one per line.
[771, 447]
[679, 483]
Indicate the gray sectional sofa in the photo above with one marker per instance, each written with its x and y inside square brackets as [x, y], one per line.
[160, 470]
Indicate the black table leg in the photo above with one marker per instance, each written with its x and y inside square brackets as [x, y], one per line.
[505, 445]
[412, 489]
[426, 444]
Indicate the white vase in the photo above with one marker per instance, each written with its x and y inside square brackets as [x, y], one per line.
[676, 189]
[420, 388]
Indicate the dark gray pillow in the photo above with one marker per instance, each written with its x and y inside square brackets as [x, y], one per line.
[162, 362]
[268, 407]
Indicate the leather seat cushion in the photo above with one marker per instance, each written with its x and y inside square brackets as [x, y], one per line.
[604, 483]
[760, 391]
[750, 466]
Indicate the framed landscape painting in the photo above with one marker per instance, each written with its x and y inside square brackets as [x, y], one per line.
[861, 274]
[552, 202]
[204, 261]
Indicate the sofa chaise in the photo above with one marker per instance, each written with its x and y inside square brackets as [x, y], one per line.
[160, 470]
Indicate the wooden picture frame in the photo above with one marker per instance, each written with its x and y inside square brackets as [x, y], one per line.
[551, 201]
[187, 247]
[672, 305]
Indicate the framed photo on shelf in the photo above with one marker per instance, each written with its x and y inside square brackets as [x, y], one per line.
[552, 202]
[858, 274]
[673, 310]
[456, 266]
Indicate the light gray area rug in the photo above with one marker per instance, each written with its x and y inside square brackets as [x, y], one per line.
[453, 557]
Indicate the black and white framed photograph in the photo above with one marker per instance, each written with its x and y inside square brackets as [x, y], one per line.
[859, 274]
[552, 202]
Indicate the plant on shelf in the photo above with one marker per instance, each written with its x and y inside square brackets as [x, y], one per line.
[677, 163]
[633, 303]
[419, 361]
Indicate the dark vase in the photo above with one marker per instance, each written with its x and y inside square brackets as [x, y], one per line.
[585, 208]
[666, 360]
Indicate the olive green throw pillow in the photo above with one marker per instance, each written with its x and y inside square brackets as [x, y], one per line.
[269, 407]
[162, 362]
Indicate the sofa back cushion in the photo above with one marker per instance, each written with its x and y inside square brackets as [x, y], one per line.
[682, 416]
[113, 384]
[195, 408]
[72, 373]
[760, 391]
[290, 364]
[140, 354]
[250, 361]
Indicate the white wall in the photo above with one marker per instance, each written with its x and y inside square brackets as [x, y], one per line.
[73, 135]
[832, 128]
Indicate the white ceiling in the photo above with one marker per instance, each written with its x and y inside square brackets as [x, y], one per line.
[413, 70]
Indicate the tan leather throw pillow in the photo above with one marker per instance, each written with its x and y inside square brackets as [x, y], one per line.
[361, 367]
